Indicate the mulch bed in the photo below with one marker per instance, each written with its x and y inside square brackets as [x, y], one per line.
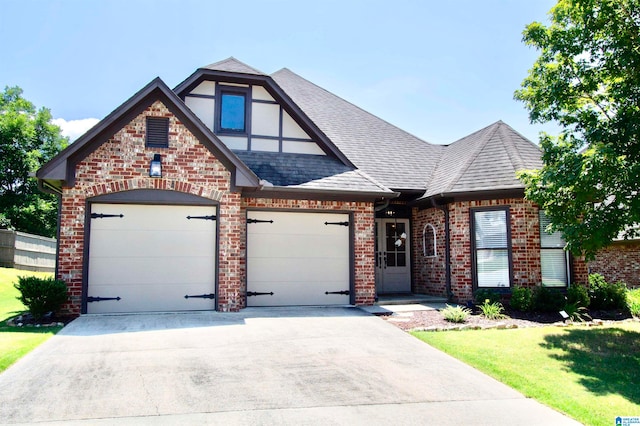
[433, 320]
[48, 320]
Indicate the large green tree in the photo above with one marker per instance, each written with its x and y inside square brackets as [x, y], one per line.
[587, 79]
[28, 139]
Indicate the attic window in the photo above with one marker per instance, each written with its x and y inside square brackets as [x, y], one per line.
[157, 132]
[231, 109]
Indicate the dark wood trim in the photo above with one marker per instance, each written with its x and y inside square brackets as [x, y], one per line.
[262, 101]
[199, 95]
[236, 90]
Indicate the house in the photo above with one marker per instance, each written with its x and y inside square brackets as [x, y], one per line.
[239, 188]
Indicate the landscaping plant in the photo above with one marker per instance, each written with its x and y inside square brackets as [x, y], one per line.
[545, 299]
[41, 295]
[457, 314]
[483, 294]
[578, 294]
[492, 310]
[604, 295]
[521, 299]
[633, 302]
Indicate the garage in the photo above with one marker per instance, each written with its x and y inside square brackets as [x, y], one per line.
[298, 258]
[149, 258]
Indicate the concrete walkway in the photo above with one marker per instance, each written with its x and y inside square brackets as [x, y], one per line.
[261, 366]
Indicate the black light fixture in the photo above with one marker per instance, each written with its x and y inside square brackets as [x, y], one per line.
[155, 168]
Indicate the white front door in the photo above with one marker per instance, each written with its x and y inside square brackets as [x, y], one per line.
[393, 266]
[151, 258]
[297, 258]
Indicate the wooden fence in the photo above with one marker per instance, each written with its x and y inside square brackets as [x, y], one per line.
[26, 251]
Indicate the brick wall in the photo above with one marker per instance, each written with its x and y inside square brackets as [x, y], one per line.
[429, 274]
[618, 262]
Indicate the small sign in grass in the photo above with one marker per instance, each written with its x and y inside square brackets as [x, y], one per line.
[590, 373]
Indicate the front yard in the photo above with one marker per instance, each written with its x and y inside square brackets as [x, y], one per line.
[17, 341]
[589, 373]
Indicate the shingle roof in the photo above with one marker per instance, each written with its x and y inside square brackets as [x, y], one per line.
[231, 64]
[308, 171]
[486, 160]
[390, 155]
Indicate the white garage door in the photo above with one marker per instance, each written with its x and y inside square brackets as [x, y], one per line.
[297, 259]
[145, 258]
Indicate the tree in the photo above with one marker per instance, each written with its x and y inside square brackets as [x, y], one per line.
[28, 139]
[587, 79]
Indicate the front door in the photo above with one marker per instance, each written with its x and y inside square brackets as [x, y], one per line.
[393, 266]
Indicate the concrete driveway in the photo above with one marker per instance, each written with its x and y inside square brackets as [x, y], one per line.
[300, 366]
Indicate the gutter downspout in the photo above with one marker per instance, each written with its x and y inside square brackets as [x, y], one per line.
[447, 247]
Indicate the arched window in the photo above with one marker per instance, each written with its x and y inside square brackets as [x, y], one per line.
[429, 241]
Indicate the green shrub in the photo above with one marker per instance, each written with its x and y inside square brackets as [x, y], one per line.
[521, 299]
[457, 314]
[41, 295]
[633, 302]
[483, 294]
[578, 294]
[545, 299]
[604, 295]
[576, 312]
[492, 311]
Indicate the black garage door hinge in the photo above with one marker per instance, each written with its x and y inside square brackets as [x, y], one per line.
[201, 296]
[101, 299]
[257, 293]
[210, 217]
[102, 215]
[345, 292]
[337, 223]
[259, 221]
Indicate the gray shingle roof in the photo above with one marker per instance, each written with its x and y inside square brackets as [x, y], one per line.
[390, 155]
[308, 172]
[231, 64]
[486, 160]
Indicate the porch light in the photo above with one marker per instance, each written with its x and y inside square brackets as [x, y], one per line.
[155, 168]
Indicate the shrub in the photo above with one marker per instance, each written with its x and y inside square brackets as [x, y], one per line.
[492, 311]
[633, 302]
[483, 294]
[521, 299]
[545, 299]
[41, 295]
[457, 314]
[604, 295]
[578, 295]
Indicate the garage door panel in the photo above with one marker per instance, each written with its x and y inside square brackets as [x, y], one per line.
[308, 270]
[297, 293]
[283, 245]
[168, 243]
[130, 296]
[297, 257]
[151, 258]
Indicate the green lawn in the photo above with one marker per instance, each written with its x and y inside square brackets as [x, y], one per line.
[591, 374]
[15, 342]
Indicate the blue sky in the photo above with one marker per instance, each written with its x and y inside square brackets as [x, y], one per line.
[437, 69]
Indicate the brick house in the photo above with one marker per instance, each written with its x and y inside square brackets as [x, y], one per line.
[239, 188]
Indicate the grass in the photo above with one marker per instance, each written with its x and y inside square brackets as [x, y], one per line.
[15, 342]
[591, 374]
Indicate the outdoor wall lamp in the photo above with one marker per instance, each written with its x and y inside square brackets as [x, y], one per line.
[155, 168]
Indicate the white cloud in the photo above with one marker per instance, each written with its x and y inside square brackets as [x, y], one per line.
[74, 128]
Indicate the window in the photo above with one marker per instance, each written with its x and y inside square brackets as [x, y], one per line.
[157, 132]
[429, 240]
[553, 258]
[232, 109]
[491, 242]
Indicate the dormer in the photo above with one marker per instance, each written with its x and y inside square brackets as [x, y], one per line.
[247, 110]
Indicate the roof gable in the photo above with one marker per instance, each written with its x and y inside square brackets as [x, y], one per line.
[486, 160]
[62, 167]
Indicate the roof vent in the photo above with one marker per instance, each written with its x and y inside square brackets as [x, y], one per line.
[157, 135]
